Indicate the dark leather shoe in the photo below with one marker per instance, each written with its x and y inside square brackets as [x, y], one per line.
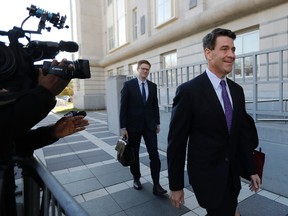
[158, 190]
[137, 184]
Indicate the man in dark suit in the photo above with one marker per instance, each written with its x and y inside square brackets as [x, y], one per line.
[139, 116]
[211, 124]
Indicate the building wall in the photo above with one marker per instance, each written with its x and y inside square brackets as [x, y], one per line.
[185, 33]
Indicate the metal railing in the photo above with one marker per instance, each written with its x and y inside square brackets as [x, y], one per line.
[263, 76]
[42, 194]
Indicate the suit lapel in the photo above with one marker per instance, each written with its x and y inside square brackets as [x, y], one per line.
[214, 100]
[149, 90]
[136, 88]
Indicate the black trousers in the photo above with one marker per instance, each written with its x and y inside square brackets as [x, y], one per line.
[229, 204]
[150, 138]
[7, 191]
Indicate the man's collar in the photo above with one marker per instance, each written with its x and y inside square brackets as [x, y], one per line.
[140, 81]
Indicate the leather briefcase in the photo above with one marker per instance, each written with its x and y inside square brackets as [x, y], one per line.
[125, 152]
[259, 158]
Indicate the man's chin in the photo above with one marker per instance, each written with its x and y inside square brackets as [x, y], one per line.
[228, 70]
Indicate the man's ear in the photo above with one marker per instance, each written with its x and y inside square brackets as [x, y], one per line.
[207, 53]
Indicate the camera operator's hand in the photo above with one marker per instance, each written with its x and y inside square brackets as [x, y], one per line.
[53, 83]
[69, 125]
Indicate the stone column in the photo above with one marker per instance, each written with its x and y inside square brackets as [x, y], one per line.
[114, 85]
[87, 24]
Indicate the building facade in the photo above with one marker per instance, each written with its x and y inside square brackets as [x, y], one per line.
[115, 34]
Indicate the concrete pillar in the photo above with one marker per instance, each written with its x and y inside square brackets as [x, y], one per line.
[114, 85]
[87, 31]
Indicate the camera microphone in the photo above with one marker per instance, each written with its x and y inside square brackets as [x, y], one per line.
[40, 50]
[68, 46]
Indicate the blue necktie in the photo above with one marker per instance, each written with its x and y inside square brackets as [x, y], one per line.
[227, 104]
[143, 92]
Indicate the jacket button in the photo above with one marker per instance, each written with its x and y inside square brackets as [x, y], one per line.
[226, 159]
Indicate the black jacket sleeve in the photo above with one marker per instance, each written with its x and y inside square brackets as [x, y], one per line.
[19, 117]
[34, 139]
[248, 143]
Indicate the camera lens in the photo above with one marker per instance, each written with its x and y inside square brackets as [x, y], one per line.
[81, 69]
[7, 62]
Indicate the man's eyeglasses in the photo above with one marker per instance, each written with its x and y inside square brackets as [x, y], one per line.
[144, 69]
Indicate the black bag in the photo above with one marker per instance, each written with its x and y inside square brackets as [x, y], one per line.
[125, 152]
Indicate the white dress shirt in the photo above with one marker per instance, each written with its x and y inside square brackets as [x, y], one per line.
[217, 87]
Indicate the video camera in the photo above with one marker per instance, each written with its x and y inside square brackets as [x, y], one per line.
[17, 70]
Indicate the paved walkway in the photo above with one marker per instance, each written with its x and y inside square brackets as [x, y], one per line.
[85, 165]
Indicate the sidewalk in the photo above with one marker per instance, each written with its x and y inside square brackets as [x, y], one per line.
[85, 165]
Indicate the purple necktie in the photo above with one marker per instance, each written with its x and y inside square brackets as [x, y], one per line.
[227, 104]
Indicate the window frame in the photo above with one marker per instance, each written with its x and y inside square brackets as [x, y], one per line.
[167, 77]
[134, 24]
[171, 4]
[243, 64]
[116, 18]
[133, 69]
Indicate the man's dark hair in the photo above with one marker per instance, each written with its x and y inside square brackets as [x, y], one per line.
[143, 62]
[210, 39]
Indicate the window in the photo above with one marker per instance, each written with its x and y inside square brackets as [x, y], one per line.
[111, 38]
[134, 24]
[116, 23]
[120, 70]
[192, 4]
[133, 69]
[169, 62]
[110, 72]
[246, 43]
[121, 21]
[165, 11]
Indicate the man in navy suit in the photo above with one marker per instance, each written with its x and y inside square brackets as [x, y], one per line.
[139, 116]
[214, 143]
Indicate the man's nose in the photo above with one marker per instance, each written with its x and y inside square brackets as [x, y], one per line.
[231, 53]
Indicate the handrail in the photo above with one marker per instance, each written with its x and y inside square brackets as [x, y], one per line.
[262, 74]
[53, 191]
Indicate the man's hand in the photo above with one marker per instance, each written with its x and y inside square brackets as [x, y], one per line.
[158, 129]
[255, 183]
[177, 198]
[124, 133]
[69, 125]
[53, 83]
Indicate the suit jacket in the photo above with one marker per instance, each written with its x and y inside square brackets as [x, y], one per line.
[252, 135]
[134, 114]
[213, 153]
